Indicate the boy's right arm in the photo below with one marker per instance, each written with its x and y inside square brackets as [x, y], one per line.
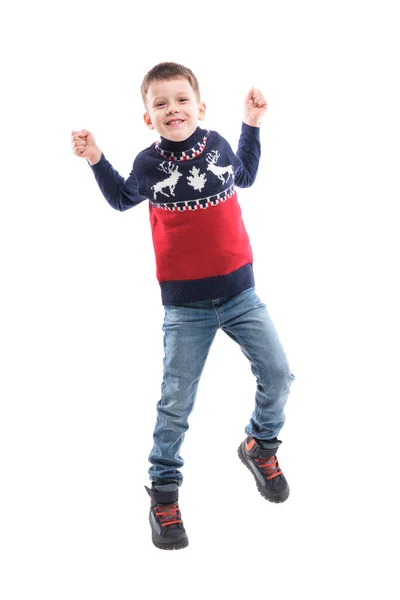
[121, 194]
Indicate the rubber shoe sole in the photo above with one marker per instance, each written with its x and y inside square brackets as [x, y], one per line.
[276, 497]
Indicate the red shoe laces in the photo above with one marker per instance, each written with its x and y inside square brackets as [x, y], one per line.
[270, 466]
[168, 514]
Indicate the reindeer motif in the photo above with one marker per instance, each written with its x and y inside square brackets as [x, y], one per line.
[212, 158]
[171, 181]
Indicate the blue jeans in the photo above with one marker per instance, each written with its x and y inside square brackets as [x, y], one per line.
[189, 330]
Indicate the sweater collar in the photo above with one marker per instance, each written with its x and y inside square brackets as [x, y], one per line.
[185, 150]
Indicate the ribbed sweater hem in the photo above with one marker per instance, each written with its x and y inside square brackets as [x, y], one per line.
[209, 288]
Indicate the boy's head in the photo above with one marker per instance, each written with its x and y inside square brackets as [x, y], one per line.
[171, 96]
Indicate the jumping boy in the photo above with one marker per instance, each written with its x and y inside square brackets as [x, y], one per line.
[205, 270]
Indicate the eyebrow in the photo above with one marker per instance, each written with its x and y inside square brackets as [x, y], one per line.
[177, 94]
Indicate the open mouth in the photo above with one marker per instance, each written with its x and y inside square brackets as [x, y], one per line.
[175, 122]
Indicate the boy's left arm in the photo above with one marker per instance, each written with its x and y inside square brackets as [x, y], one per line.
[249, 149]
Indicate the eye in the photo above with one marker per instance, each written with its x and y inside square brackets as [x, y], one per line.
[183, 99]
[159, 104]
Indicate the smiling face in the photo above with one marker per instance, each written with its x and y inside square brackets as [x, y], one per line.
[173, 109]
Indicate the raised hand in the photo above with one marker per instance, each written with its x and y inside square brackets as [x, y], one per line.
[84, 145]
[255, 106]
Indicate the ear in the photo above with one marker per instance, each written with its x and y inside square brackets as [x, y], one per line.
[202, 111]
[147, 120]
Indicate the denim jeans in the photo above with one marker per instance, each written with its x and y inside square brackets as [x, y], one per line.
[189, 330]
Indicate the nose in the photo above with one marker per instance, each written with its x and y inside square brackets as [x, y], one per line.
[172, 108]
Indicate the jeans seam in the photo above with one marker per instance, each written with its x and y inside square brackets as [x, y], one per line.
[217, 313]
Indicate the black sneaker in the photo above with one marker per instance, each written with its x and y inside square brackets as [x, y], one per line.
[259, 457]
[168, 532]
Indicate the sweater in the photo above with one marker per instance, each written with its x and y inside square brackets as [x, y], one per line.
[202, 250]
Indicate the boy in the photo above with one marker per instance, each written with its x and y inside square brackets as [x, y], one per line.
[205, 271]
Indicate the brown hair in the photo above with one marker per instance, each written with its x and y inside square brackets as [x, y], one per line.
[169, 70]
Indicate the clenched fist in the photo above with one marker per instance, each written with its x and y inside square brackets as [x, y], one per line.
[84, 145]
[255, 106]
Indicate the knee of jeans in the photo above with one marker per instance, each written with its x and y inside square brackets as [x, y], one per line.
[177, 389]
[282, 374]
[287, 378]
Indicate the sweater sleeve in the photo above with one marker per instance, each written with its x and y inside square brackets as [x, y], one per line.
[120, 193]
[248, 153]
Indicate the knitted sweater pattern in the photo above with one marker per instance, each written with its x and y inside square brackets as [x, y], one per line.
[201, 246]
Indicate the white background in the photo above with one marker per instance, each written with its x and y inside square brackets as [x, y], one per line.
[81, 312]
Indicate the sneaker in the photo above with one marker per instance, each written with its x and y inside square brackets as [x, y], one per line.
[259, 457]
[168, 532]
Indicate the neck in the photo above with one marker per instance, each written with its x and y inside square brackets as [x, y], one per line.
[183, 145]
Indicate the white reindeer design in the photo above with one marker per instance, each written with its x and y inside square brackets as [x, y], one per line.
[170, 182]
[212, 158]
